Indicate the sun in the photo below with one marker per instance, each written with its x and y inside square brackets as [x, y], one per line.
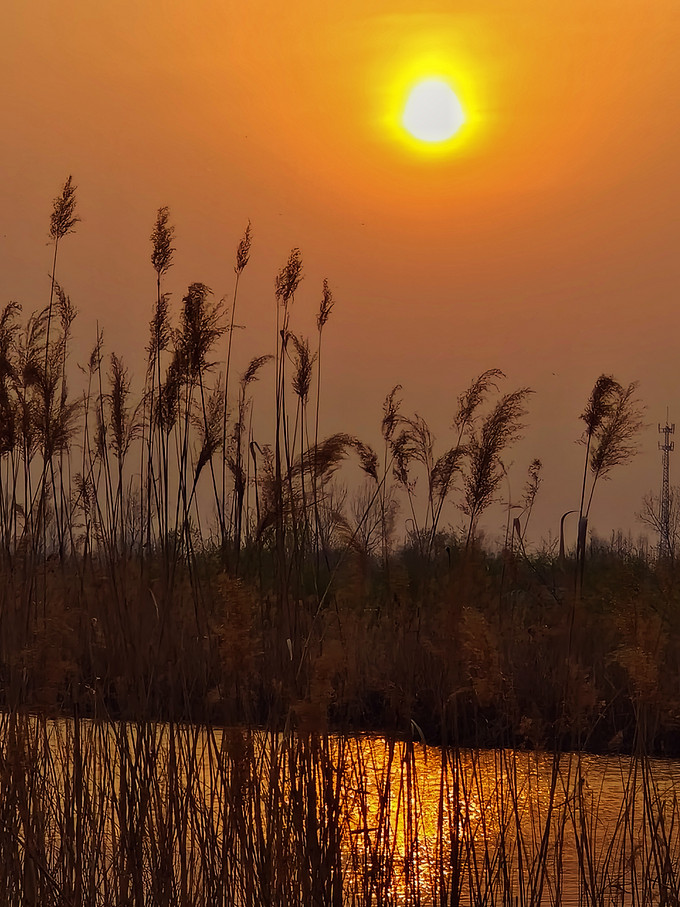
[432, 112]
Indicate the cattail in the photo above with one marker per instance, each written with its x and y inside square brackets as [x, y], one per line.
[324, 313]
[62, 221]
[63, 218]
[242, 258]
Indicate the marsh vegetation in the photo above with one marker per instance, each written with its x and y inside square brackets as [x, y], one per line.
[146, 813]
[169, 570]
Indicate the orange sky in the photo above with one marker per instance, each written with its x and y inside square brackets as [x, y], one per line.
[544, 244]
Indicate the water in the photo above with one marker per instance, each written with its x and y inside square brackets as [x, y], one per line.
[186, 814]
[509, 827]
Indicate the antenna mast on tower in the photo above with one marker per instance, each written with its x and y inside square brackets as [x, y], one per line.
[665, 542]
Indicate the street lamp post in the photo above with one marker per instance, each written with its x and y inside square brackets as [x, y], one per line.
[564, 516]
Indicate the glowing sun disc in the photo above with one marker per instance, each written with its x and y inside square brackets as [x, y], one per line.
[432, 113]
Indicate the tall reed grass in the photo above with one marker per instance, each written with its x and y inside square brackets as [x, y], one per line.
[107, 813]
[166, 572]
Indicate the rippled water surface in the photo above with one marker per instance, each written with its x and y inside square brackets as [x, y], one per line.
[197, 815]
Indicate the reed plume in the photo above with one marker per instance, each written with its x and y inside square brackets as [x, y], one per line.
[234, 457]
[613, 419]
[499, 429]
[160, 340]
[62, 222]
[209, 427]
[616, 435]
[242, 259]
[288, 279]
[162, 237]
[63, 218]
[325, 308]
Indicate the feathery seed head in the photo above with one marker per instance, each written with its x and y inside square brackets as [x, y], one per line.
[161, 240]
[325, 457]
[243, 251]
[501, 428]
[616, 433]
[95, 359]
[602, 398]
[304, 360]
[123, 420]
[401, 452]
[289, 277]
[474, 396]
[66, 310]
[8, 331]
[254, 367]
[63, 218]
[533, 484]
[200, 326]
[168, 408]
[209, 425]
[444, 471]
[327, 303]
[160, 331]
[368, 458]
[391, 415]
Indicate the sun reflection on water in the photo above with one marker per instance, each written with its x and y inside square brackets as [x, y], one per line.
[347, 820]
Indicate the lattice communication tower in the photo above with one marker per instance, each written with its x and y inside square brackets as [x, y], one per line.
[665, 541]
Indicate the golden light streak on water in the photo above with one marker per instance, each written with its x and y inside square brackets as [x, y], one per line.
[373, 820]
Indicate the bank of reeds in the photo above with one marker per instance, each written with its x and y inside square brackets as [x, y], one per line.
[166, 571]
[160, 557]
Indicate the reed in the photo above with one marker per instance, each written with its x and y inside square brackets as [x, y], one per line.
[166, 573]
[104, 813]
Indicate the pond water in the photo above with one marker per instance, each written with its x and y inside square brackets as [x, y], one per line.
[170, 814]
[519, 828]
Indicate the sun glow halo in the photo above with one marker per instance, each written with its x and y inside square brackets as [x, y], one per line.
[432, 112]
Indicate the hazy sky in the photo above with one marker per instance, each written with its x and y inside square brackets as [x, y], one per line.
[545, 243]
